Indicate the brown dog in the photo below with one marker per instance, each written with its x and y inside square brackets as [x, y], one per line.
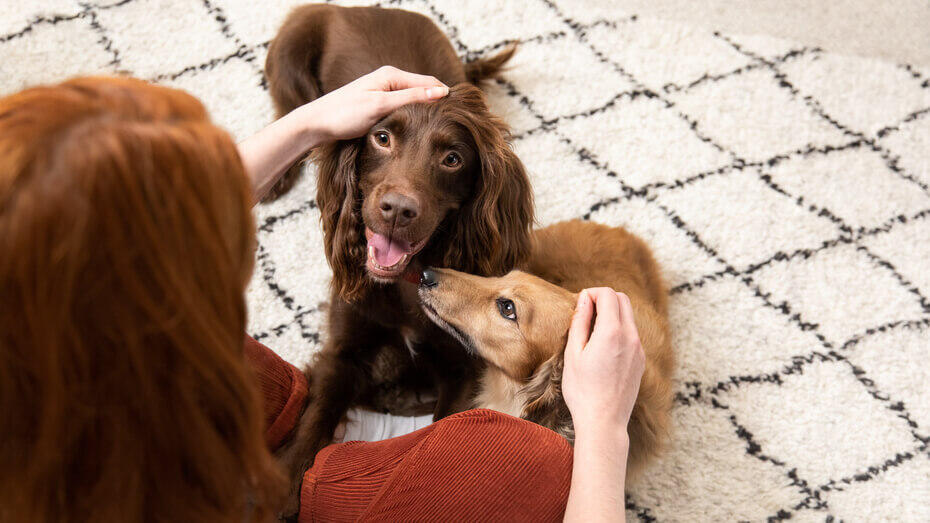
[519, 324]
[429, 185]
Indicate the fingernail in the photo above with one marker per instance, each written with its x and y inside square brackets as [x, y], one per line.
[436, 92]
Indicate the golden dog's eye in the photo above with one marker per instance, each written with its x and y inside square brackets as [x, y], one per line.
[507, 309]
[452, 160]
[382, 138]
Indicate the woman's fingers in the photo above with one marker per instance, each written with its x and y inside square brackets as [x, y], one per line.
[394, 79]
[607, 307]
[627, 324]
[580, 330]
[395, 99]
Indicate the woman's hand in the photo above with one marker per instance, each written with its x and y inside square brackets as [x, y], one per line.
[352, 109]
[603, 368]
[344, 113]
[603, 365]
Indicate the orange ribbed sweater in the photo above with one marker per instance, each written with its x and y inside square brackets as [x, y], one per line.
[478, 465]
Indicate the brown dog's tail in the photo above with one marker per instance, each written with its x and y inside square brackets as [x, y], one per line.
[481, 69]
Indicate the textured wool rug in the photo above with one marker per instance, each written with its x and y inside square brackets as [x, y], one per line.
[785, 191]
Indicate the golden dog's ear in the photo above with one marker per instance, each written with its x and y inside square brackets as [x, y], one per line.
[542, 397]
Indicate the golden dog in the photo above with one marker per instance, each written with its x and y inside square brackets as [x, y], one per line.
[519, 324]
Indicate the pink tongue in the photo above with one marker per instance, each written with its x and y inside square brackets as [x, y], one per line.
[388, 251]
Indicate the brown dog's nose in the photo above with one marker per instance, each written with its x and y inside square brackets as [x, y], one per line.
[398, 209]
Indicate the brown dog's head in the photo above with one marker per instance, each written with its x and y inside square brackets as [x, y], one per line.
[434, 181]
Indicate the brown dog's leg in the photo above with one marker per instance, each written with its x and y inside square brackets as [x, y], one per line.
[285, 182]
[455, 374]
[338, 373]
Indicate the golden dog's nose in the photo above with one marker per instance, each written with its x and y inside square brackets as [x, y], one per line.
[428, 279]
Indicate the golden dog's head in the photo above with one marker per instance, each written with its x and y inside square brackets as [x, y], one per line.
[517, 322]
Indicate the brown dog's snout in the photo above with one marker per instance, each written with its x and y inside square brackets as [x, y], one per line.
[398, 209]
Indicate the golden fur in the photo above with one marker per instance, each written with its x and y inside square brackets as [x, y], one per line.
[525, 355]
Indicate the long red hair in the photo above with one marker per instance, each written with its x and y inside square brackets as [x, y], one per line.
[127, 242]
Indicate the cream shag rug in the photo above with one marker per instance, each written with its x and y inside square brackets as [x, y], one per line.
[785, 191]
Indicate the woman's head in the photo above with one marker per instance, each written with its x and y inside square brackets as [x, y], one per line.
[127, 245]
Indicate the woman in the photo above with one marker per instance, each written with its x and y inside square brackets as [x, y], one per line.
[125, 390]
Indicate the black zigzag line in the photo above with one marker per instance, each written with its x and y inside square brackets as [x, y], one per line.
[859, 374]
[804, 253]
[643, 514]
[812, 501]
[754, 449]
[817, 108]
[916, 115]
[583, 154]
[708, 78]
[897, 407]
[628, 95]
[847, 230]
[245, 52]
[542, 38]
[219, 16]
[270, 222]
[917, 75]
[919, 325]
[209, 65]
[104, 39]
[739, 164]
[105, 6]
[42, 20]
[697, 392]
[779, 256]
[889, 224]
[636, 93]
[452, 32]
[871, 471]
[277, 331]
[268, 276]
[907, 284]
[580, 33]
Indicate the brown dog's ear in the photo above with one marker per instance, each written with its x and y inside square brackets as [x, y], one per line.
[543, 400]
[338, 200]
[492, 234]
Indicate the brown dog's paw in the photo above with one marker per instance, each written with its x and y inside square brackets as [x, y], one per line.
[292, 459]
[291, 505]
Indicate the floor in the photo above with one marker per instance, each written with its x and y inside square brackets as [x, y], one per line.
[897, 31]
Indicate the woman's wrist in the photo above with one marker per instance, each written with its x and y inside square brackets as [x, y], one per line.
[307, 128]
[603, 432]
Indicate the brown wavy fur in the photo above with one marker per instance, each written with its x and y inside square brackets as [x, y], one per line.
[128, 241]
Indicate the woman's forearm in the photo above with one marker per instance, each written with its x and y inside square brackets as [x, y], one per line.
[271, 151]
[598, 477]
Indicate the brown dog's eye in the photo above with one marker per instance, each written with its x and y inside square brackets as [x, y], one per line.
[382, 138]
[452, 160]
[507, 309]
